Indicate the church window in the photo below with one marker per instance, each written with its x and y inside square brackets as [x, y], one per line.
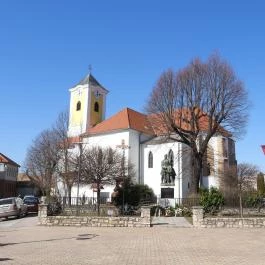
[150, 160]
[78, 106]
[171, 157]
[96, 107]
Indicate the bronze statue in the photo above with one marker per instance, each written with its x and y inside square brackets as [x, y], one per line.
[167, 171]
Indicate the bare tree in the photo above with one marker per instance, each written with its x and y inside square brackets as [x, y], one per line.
[247, 174]
[229, 183]
[196, 103]
[67, 168]
[100, 166]
[260, 184]
[41, 161]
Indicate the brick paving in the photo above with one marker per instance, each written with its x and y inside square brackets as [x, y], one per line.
[130, 246]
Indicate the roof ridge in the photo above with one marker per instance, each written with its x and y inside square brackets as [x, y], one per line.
[91, 80]
[125, 119]
[128, 116]
[129, 112]
[9, 160]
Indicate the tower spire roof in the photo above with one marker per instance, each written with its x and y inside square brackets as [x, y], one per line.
[91, 81]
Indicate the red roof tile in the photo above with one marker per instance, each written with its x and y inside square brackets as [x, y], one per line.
[6, 160]
[125, 119]
[148, 124]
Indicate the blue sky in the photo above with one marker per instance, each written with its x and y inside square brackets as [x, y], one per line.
[47, 46]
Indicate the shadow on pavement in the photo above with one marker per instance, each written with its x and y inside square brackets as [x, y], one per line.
[79, 237]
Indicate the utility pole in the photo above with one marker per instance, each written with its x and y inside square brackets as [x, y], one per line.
[79, 169]
[123, 146]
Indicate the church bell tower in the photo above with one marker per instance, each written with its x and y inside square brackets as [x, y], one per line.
[87, 105]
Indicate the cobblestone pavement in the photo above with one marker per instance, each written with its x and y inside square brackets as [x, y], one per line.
[130, 246]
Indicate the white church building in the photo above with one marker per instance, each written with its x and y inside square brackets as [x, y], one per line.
[144, 147]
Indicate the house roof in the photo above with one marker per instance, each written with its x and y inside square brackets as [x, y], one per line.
[91, 80]
[125, 119]
[6, 160]
[22, 177]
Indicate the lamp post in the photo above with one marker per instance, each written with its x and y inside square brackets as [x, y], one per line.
[79, 168]
[123, 146]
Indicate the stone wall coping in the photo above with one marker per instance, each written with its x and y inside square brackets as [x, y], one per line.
[234, 218]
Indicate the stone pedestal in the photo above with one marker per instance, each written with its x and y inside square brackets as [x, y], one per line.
[197, 215]
[146, 216]
[42, 213]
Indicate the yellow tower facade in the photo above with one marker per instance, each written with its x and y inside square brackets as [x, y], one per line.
[87, 105]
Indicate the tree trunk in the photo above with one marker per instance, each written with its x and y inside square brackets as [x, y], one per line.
[98, 199]
[69, 191]
[240, 206]
[196, 173]
[240, 201]
[48, 194]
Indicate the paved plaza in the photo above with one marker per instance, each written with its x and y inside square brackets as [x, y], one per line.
[23, 242]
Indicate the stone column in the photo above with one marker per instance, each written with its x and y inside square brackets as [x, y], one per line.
[197, 215]
[146, 216]
[42, 213]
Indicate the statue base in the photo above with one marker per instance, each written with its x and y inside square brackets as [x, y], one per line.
[168, 184]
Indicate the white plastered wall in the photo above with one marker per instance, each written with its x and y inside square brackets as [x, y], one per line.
[152, 176]
[113, 140]
[213, 179]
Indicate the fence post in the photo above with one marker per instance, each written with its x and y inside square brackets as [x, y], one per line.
[42, 213]
[197, 215]
[146, 216]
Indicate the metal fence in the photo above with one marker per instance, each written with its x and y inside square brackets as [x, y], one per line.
[82, 201]
[175, 202]
[252, 205]
[75, 205]
[88, 206]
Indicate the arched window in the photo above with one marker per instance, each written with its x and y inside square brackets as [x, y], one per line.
[78, 106]
[171, 157]
[96, 107]
[150, 160]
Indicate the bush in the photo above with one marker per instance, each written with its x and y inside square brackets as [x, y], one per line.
[212, 200]
[183, 211]
[254, 201]
[170, 211]
[134, 195]
[54, 206]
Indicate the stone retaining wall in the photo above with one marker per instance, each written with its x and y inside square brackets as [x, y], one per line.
[96, 221]
[227, 222]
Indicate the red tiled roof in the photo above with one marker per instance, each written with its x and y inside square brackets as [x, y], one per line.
[125, 119]
[6, 160]
[182, 119]
[148, 124]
